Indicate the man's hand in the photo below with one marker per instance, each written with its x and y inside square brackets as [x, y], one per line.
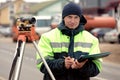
[68, 62]
[77, 65]
[72, 63]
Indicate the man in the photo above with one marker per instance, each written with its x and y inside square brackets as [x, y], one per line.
[62, 46]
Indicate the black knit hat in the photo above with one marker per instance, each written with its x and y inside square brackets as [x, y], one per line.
[72, 8]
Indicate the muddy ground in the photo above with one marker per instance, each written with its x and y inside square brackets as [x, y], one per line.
[115, 52]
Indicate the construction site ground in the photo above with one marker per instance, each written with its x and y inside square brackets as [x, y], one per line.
[114, 57]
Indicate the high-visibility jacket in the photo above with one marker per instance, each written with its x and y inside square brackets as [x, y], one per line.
[54, 45]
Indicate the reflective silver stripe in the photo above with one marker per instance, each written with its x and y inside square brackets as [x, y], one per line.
[66, 44]
[40, 60]
[59, 45]
[82, 44]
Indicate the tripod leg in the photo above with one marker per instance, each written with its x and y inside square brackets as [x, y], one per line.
[19, 62]
[44, 61]
[16, 54]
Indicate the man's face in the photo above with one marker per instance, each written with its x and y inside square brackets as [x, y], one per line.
[72, 21]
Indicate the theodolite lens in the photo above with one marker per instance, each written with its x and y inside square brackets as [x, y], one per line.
[30, 20]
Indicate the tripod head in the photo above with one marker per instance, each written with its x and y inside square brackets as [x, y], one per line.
[26, 27]
[24, 24]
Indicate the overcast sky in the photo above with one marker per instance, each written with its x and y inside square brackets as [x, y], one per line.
[2, 0]
[28, 0]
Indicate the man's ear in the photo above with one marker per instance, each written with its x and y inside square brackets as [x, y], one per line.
[83, 20]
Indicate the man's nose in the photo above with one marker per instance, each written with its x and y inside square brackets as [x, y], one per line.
[72, 20]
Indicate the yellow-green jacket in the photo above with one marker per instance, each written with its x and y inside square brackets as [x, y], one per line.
[60, 42]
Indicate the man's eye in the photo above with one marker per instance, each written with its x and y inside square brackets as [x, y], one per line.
[76, 17]
[69, 17]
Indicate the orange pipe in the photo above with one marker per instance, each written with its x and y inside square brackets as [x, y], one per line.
[100, 22]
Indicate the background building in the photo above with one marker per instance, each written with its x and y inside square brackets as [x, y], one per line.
[17, 8]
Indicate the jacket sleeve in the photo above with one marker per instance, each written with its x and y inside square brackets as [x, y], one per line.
[89, 69]
[56, 65]
[92, 67]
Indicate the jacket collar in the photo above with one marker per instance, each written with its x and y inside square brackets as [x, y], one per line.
[68, 31]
